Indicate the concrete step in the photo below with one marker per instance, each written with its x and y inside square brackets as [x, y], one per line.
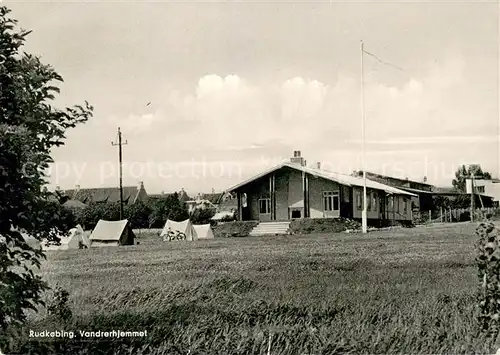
[271, 228]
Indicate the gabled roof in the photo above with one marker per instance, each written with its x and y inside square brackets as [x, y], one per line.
[104, 194]
[343, 179]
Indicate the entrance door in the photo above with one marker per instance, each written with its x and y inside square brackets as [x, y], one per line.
[331, 204]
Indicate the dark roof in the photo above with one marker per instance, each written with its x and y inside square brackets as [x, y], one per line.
[214, 198]
[158, 196]
[446, 190]
[103, 194]
[360, 173]
[184, 197]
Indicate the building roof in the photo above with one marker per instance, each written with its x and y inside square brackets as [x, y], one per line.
[394, 178]
[342, 179]
[103, 194]
[214, 198]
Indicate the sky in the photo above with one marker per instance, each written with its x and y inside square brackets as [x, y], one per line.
[207, 94]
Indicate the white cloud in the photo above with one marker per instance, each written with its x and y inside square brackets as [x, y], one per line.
[233, 114]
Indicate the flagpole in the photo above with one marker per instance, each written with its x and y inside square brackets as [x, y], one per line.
[364, 221]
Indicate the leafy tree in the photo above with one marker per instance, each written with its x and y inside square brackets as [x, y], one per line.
[29, 128]
[464, 173]
[169, 207]
[138, 214]
[202, 212]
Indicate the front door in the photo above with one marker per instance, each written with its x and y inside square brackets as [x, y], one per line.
[331, 204]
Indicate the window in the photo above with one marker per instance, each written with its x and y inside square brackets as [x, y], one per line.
[359, 200]
[374, 201]
[346, 194]
[405, 205]
[369, 202]
[480, 189]
[391, 203]
[396, 202]
[265, 206]
[331, 201]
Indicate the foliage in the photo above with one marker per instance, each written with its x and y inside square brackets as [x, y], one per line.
[202, 212]
[234, 229]
[488, 263]
[59, 305]
[323, 225]
[464, 173]
[138, 214]
[169, 207]
[30, 128]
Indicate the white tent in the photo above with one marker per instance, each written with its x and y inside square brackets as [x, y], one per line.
[112, 233]
[203, 231]
[72, 241]
[178, 231]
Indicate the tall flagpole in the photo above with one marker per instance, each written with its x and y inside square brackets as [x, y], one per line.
[364, 221]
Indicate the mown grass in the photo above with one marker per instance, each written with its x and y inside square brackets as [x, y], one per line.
[401, 291]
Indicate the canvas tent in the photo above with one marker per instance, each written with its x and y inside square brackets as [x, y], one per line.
[203, 231]
[112, 233]
[178, 231]
[74, 240]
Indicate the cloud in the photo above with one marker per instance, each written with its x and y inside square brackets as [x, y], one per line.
[233, 114]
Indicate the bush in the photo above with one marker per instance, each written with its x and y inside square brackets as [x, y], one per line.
[234, 229]
[323, 225]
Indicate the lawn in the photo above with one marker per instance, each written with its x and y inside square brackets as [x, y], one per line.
[400, 291]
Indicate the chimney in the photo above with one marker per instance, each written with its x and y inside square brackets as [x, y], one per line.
[58, 188]
[77, 187]
[297, 159]
[141, 185]
[213, 190]
[318, 165]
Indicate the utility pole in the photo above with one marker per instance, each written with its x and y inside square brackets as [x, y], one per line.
[120, 144]
[364, 221]
[472, 198]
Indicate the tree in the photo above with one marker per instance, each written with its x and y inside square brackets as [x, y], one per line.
[138, 214]
[29, 129]
[464, 173]
[203, 212]
[169, 207]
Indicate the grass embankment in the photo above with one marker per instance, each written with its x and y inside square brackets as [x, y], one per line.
[404, 291]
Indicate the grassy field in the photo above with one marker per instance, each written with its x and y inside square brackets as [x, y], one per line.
[400, 291]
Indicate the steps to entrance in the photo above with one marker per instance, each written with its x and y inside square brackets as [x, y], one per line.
[270, 228]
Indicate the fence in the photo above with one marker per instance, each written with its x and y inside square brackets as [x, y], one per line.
[448, 215]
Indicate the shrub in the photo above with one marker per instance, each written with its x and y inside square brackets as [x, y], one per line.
[59, 305]
[488, 263]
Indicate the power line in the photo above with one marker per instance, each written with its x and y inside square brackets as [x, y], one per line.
[383, 62]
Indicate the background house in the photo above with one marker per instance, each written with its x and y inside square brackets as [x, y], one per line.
[485, 187]
[131, 194]
[423, 201]
[291, 190]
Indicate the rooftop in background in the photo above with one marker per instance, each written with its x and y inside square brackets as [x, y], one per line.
[397, 182]
[131, 194]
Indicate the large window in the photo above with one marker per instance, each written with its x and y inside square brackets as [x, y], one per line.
[265, 206]
[480, 189]
[359, 200]
[369, 201]
[396, 203]
[405, 205]
[331, 200]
